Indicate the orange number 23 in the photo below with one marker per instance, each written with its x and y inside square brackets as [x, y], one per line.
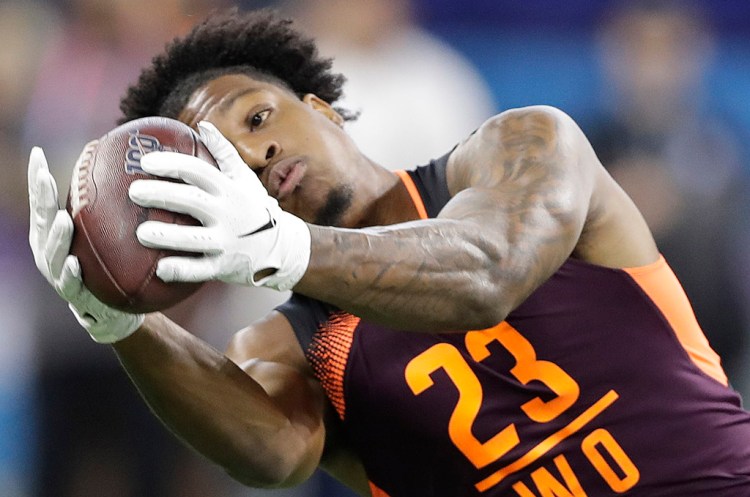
[527, 368]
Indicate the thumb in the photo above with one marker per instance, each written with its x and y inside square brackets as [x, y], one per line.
[229, 160]
[222, 150]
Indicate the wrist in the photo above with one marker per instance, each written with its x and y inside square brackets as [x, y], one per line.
[121, 330]
[110, 326]
[292, 249]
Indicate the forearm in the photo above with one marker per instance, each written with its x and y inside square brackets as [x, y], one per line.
[522, 188]
[436, 275]
[210, 403]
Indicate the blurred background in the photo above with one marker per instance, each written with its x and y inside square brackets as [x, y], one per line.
[661, 88]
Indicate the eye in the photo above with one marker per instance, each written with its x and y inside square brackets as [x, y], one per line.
[256, 120]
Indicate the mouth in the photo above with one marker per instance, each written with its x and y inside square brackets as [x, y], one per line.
[285, 176]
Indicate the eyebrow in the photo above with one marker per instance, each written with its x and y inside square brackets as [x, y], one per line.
[229, 101]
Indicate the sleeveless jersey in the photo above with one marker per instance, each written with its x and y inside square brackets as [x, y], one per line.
[600, 384]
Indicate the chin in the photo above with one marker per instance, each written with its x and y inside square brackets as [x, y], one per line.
[338, 203]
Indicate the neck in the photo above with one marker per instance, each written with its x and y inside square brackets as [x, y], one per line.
[394, 205]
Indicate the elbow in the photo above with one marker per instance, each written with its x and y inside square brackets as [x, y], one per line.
[488, 300]
[487, 308]
[278, 462]
[268, 478]
[257, 478]
[490, 319]
[485, 301]
[275, 471]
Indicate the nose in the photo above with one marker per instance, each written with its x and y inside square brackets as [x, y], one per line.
[258, 155]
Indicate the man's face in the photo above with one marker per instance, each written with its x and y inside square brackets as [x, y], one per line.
[297, 147]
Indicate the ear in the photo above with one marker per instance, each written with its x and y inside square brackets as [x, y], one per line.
[323, 107]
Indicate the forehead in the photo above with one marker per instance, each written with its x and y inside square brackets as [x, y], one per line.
[221, 94]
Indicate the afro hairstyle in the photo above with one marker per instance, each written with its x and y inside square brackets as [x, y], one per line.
[256, 43]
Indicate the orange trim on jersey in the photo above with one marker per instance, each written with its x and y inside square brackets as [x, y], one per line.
[413, 193]
[376, 492]
[661, 285]
[329, 353]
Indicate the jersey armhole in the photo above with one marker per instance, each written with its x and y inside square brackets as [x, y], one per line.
[306, 316]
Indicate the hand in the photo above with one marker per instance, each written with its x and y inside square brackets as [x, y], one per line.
[245, 237]
[50, 235]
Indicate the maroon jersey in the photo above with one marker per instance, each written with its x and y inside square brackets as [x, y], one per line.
[600, 384]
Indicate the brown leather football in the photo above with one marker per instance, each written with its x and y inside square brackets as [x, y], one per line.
[115, 267]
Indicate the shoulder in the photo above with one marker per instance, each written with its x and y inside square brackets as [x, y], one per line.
[271, 339]
[543, 121]
[540, 135]
[539, 155]
[545, 116]
[284, 334]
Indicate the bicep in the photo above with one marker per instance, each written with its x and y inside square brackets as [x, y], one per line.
[525, 180]
[269, 353]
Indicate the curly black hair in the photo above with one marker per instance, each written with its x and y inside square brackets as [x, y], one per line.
[256, 43]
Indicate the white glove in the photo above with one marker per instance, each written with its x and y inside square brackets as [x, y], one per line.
[244, 231]
[50, 235]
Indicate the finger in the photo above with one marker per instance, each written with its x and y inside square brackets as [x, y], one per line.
[38, 167]
[37, 163]
[42, 198]
[69, 284]
[186, 269]
[223, 151]
[176, 197]
[57, 248]
[187, 168]
[158, 235]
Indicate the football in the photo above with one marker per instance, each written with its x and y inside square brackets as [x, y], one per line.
[115, 267]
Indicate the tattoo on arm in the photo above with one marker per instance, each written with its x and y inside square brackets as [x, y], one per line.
[517, 210]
